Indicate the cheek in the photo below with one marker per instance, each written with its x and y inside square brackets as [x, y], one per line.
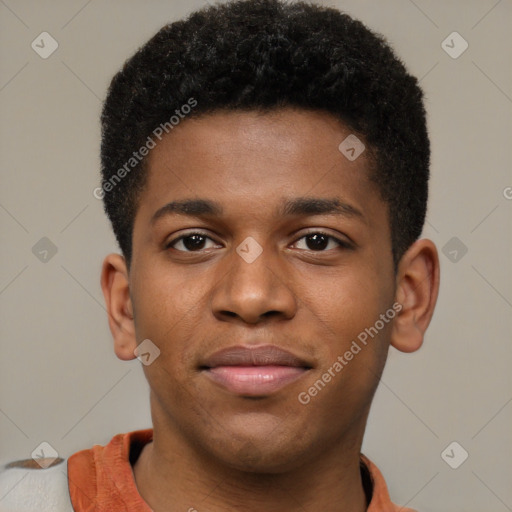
[168, 311]
[351, 303]
[355, 338]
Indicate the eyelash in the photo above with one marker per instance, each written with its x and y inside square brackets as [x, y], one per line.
[341, 243]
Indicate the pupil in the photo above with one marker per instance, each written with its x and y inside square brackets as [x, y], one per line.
[319, 241]
[314, 242]
[196, 244]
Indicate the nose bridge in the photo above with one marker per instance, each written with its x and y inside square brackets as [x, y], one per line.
[253, 286]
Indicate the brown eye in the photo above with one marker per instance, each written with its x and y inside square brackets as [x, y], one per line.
[191, 242]
[319, 242]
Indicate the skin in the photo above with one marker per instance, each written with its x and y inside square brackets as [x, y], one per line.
[214, 450]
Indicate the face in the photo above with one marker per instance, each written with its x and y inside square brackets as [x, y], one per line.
[287, 244]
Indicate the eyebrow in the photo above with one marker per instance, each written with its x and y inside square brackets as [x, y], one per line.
[300, 206]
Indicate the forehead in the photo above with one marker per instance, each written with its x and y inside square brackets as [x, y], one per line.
[252, 161]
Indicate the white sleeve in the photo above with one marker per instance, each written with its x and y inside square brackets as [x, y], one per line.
[35, 490]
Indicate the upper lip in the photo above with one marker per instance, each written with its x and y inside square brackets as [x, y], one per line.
[263, 355]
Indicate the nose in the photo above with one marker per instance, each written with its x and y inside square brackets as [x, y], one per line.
[251, 292]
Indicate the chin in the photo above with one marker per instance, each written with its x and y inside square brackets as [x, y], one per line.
[258, 450]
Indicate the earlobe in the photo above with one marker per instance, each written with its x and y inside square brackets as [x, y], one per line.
[417, 291]
[116, 290]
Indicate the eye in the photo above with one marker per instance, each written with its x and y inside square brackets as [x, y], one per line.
[191, 242]
[315, 241]
[320, 242]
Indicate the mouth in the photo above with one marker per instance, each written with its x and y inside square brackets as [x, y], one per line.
[254, 371]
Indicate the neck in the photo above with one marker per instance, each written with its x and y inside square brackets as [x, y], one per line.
[171, 470]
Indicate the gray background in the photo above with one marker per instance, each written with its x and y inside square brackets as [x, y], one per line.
[60, 381]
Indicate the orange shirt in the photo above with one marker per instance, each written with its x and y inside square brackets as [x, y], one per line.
[101, 478]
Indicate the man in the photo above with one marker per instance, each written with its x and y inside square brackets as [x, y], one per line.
[265, 169]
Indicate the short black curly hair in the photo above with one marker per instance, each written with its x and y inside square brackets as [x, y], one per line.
[266, 55]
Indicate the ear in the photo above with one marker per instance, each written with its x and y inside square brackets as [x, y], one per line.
[417, 290]
[116, 290]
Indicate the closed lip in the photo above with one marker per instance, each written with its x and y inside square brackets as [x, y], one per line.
[263, 355]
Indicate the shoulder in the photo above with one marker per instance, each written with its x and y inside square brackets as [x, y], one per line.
[28, 485]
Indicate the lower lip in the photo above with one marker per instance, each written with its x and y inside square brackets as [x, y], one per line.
[254, 380]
